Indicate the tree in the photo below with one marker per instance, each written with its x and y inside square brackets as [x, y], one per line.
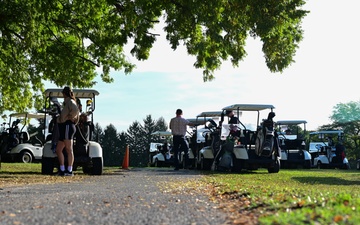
[111, 146]
[97, 133]
[161, 124]
[123, 144]
[136, 139]
[63, 42]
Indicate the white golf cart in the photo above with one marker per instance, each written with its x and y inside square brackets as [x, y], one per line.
[89, 158]
[292, 143]
[16, 145]
[253, 147]
[208, 139]
[160, 153]
[325, 152]
[195, 139]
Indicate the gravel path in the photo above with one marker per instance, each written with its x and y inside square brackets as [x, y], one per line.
[135, 196]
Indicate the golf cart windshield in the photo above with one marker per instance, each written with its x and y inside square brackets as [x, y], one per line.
[291, 129]
[84, 97]
[246, 112]
[24, 118]
[324, 138]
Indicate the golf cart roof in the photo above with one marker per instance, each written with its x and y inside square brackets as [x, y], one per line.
[196, 122]
[290, 122]
[248, 107]
[28, 115]
[79, 93]
[162, 133]
[210, 114]
[327, 132]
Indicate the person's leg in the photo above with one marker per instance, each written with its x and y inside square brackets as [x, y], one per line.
[185, 148]
[70, 153]
[59, 152]
[69, 136]
[176, 151]
[59, 149]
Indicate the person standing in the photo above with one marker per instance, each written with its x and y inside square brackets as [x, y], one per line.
[178, 127]
[67, 119]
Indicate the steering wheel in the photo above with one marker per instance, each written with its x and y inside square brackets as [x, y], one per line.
[205, 133]
[318, 146]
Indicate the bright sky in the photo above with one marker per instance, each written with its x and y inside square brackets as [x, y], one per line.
[324, 74]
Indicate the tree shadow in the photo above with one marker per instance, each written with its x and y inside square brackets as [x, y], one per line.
[326, 180]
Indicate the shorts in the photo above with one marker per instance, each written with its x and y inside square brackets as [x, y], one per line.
[66, 130]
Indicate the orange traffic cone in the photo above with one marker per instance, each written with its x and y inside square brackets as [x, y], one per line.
[125, 164]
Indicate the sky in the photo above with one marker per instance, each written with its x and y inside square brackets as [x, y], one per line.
[324, 74]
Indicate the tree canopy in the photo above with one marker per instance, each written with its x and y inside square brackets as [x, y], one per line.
[64, 42]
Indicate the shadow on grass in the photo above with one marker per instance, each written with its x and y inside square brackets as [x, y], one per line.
[6, 173]
[326, 180]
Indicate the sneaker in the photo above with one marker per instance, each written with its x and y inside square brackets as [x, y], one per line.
[60, 173]
[69, 173]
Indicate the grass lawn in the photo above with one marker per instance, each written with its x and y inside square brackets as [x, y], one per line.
[291, 196]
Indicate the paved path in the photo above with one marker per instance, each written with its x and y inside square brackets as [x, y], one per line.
[135, 196]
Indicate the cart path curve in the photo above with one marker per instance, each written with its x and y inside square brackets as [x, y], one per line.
[135, 196]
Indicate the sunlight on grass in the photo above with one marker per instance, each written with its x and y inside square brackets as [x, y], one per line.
[293, 197]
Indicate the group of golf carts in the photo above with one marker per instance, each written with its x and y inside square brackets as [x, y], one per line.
[16, 144]
[217, 143]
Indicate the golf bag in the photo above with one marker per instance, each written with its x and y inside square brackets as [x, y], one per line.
[225, 155]
[266, 137]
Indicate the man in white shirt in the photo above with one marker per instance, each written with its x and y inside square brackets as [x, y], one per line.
[178, 126]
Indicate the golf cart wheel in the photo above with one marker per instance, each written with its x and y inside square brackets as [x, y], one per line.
[26, 157]
[97, 166]
[307, 164]
[86, 169]
[47, 166]
[157, 163]
[319, 165]
[205, 164]
[275, 167]
[237, 167]
[347, 166]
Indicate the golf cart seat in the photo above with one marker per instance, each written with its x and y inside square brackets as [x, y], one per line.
[292, 144]
[249, 137]
[24, 137]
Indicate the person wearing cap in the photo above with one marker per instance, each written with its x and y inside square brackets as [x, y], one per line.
[232, 118]
[178, 127]
[69, 116]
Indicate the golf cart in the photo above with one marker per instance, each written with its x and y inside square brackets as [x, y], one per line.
[208, 139]
[90, 156]
[292, 144]
[256, 145]
[160, 153]
[195, 139]
[15, 142]
[325, 152]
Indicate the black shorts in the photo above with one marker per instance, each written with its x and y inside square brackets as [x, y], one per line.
[66, 130]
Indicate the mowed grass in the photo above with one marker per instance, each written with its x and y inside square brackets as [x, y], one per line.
[14, 174]
[292, 196]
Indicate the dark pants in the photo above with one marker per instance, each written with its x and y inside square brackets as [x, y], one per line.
[180, 144]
